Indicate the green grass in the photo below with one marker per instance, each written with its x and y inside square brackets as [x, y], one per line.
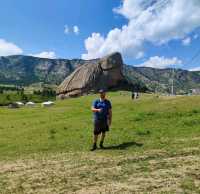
[148, 137]
[154, 123]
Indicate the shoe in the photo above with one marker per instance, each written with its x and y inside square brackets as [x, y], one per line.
[101, 145]
[94, 147]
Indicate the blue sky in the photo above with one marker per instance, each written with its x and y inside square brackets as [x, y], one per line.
[36, 27]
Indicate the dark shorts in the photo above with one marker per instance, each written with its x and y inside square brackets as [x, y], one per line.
[100, 127]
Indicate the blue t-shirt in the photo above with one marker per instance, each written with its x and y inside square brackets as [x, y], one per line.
[105, 105]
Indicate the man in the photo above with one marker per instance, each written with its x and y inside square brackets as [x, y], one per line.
[102, 110]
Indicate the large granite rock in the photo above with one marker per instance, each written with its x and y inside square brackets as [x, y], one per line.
[105, 73]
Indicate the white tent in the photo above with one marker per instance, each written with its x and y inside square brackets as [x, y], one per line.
[20, 104]
[30, 104]
[47, 104]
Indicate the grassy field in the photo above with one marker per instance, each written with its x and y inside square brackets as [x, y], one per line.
[152, 147]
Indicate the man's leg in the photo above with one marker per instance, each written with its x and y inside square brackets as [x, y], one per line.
[95, 139]
[103, 134]
[96, 134]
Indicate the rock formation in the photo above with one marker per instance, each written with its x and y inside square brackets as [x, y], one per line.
[106, 73]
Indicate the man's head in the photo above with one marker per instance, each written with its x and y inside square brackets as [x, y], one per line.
[102, 94]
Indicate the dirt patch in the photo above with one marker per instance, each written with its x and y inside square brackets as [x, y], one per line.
[93, 173]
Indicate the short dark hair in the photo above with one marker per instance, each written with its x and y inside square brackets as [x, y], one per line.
[102, 91]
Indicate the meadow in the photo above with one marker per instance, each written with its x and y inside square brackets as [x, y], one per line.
[152, 147]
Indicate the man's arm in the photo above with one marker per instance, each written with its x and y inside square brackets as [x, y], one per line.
[109, 116]
[95, 109]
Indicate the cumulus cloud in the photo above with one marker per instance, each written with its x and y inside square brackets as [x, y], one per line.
[76, 30]
[45, 54]
[154, 21]
[92, 43]
[9, 48]
[186, 41]
[161, 62]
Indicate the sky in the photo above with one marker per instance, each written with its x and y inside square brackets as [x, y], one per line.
[151, 33]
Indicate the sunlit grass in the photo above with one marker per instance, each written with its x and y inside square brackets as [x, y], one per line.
[156, 123]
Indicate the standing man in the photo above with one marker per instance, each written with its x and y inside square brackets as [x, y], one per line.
[102, 110]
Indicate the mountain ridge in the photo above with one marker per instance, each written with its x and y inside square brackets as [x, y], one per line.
[26, 70]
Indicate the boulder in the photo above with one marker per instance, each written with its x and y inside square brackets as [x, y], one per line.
[105, 73]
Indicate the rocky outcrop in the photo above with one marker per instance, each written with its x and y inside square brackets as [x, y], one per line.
[105, 73]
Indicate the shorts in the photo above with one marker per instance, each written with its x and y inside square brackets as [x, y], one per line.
[100, 127]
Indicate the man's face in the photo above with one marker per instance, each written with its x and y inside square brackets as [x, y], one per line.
[103, 95]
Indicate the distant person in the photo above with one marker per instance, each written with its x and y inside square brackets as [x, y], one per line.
[135, 95]
[102, 110]
[132, 95]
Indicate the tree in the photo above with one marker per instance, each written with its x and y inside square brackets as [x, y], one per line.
[8, 97]
[24, 98]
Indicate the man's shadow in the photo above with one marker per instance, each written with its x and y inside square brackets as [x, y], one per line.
[123, 146]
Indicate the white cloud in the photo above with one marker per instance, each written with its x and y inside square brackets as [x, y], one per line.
[9, 48]
[186, 41]
[66, 29]
[92, 43]
[195, 69]
[130, 8]
[161, 62]
[76, 30]
[153, 21]
[139, 55]
[45, 54]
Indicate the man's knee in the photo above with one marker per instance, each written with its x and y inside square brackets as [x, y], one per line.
[96, 132]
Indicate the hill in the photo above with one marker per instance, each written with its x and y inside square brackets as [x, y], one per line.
[152, 147]
[160, 80]
[26, 70]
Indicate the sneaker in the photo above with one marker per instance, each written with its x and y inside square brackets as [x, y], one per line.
[94, 147]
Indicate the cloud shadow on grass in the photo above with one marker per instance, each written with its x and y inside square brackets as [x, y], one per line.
[123, 146]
